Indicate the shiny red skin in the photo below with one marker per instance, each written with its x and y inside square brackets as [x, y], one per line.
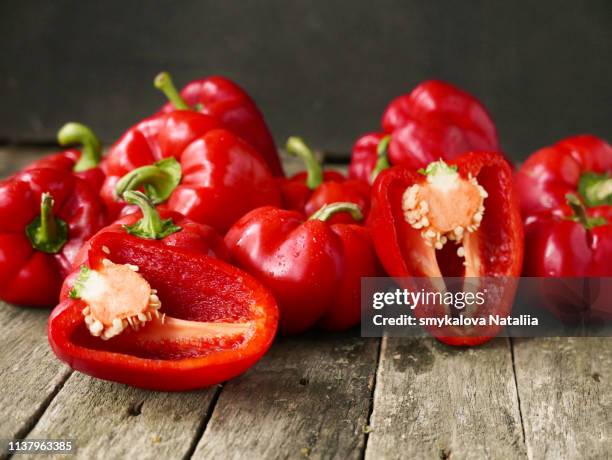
[193, 236]
[65, 161]
[335, 187]
[313, 268]
[557, 246]
[402, 250]
[222, 176]
[28, 276]
[435, 120]
[191, 286]
[226, 101]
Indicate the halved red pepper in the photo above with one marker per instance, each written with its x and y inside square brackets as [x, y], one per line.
[84, 163]
[224, 100]
[45, 217]
[309, 190]
[459, 219]
[312, 267]
[160, 317]
[434, 121]
[183, 159]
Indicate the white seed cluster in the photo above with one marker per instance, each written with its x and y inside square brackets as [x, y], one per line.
[416, 212]
[135, 321]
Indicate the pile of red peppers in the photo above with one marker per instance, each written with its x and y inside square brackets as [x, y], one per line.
[173, 260]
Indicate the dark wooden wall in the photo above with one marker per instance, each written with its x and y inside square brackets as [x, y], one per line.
[322, 69]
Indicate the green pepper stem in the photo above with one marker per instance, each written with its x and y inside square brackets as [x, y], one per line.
[159, 180]
[382, 161]
[595, 189]
[297, 147]
[163, 82]
[328, 210]
[46, 232]
[151, 226]
[580, 214]
[77, 133]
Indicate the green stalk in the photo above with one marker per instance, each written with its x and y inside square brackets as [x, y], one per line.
[158, 180]
[328, 210]
[297, 147]
[47, 233]
[77, 133]
[164, 83]
[151, 226]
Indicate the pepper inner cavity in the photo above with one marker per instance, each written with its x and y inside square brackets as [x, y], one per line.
[116, 297]
[445, 206]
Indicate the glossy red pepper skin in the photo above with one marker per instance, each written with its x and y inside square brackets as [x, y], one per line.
[224, 100]
[192, 287]
[222, 176]
[313, 268]
[402, 249]
[29, 276]
[65, 161]
[557, 245]
[435, 120]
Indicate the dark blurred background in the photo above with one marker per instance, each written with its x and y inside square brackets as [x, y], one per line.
[325, 70]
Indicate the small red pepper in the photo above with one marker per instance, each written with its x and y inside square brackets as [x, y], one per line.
[85, 163]
[308, 191]
[45, 217]
[312, 267]
[434, 121]
[183, 160]
[369, 157]
[566, 201]
[157, 316]
[229, 103]
[450, 220]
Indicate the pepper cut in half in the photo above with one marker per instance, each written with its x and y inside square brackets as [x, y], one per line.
[458, 220]
[160, 318]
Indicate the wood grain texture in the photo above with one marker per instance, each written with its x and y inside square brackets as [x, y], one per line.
[31, 375]
[110, 420]
[308, 397]
[565, 389]
[435, 401]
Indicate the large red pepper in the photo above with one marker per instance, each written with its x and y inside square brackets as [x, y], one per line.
[566, 200]
[459, 219]
[226, 101]
[308, 191]
[183, 159]
[434, 121]
[312, 267]
[84, 163]
[157, 316]
[45, 217]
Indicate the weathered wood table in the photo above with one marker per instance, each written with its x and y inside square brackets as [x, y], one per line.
[322, 396]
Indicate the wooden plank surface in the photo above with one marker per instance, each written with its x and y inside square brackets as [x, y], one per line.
[435, 401]
[565, 390]
[31, 375]
[308, 397]
[110, 420]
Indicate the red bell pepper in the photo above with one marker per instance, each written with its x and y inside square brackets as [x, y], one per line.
[312, 267]
[183, 160]
[369, 157]
[156, 316]
[450, 220]
[308, 191]
[229, 103]
[169, 228]
[45, 217]
[566, 198]
[434, 121]
[85, 163]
